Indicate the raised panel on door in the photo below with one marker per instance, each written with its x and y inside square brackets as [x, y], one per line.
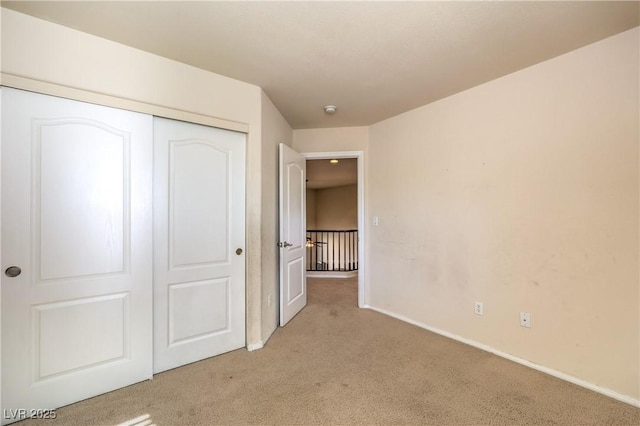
[295, 288]
[77, 186]
[56, 327]
[76, 218]
[198, 310]
[199, 279]
[199, 208]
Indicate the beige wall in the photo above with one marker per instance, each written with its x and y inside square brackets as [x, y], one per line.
[311, 209]
[521, 193]
[275, 130]
[49, 53]
[331, 139]
[336, 208]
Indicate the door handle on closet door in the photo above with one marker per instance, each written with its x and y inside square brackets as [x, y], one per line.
[12, 271]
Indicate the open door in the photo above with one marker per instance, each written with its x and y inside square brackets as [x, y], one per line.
[293, 276]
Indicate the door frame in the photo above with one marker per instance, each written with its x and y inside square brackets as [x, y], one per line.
[359, 156]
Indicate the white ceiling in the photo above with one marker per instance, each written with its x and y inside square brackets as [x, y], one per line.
[373, 60]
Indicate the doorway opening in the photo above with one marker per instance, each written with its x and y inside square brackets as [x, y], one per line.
[335, 216]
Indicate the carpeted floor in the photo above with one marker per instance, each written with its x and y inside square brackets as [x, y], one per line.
[337, 364]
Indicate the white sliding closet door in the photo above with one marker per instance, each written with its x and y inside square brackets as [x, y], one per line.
[199, 242]
[76, 250]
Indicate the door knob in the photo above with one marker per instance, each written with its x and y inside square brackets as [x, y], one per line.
[12, 271]
[285, 244]
[239, 251]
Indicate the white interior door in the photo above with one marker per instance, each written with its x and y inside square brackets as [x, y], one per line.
[199, 241]
[293, 274]
[76, 220]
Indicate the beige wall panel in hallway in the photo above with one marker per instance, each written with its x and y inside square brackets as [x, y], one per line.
[337, 208]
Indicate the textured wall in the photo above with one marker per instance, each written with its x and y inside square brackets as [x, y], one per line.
[521, 193]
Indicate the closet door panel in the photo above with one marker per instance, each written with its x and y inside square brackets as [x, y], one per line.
[199, 231]
[76, 221]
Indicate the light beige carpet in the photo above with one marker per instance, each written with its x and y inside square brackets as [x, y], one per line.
[337, 364]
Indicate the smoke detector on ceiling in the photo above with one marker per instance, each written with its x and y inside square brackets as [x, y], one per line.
[330, 109]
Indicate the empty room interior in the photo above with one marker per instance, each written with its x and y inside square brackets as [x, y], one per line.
[320, 212]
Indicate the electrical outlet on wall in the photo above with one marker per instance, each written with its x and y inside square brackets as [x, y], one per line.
[525, 319]
[478, 308]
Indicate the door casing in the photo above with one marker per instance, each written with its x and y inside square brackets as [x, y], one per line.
[359, 156]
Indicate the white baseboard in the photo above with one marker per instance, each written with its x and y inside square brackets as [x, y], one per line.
[255, 346]
[560, 375]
